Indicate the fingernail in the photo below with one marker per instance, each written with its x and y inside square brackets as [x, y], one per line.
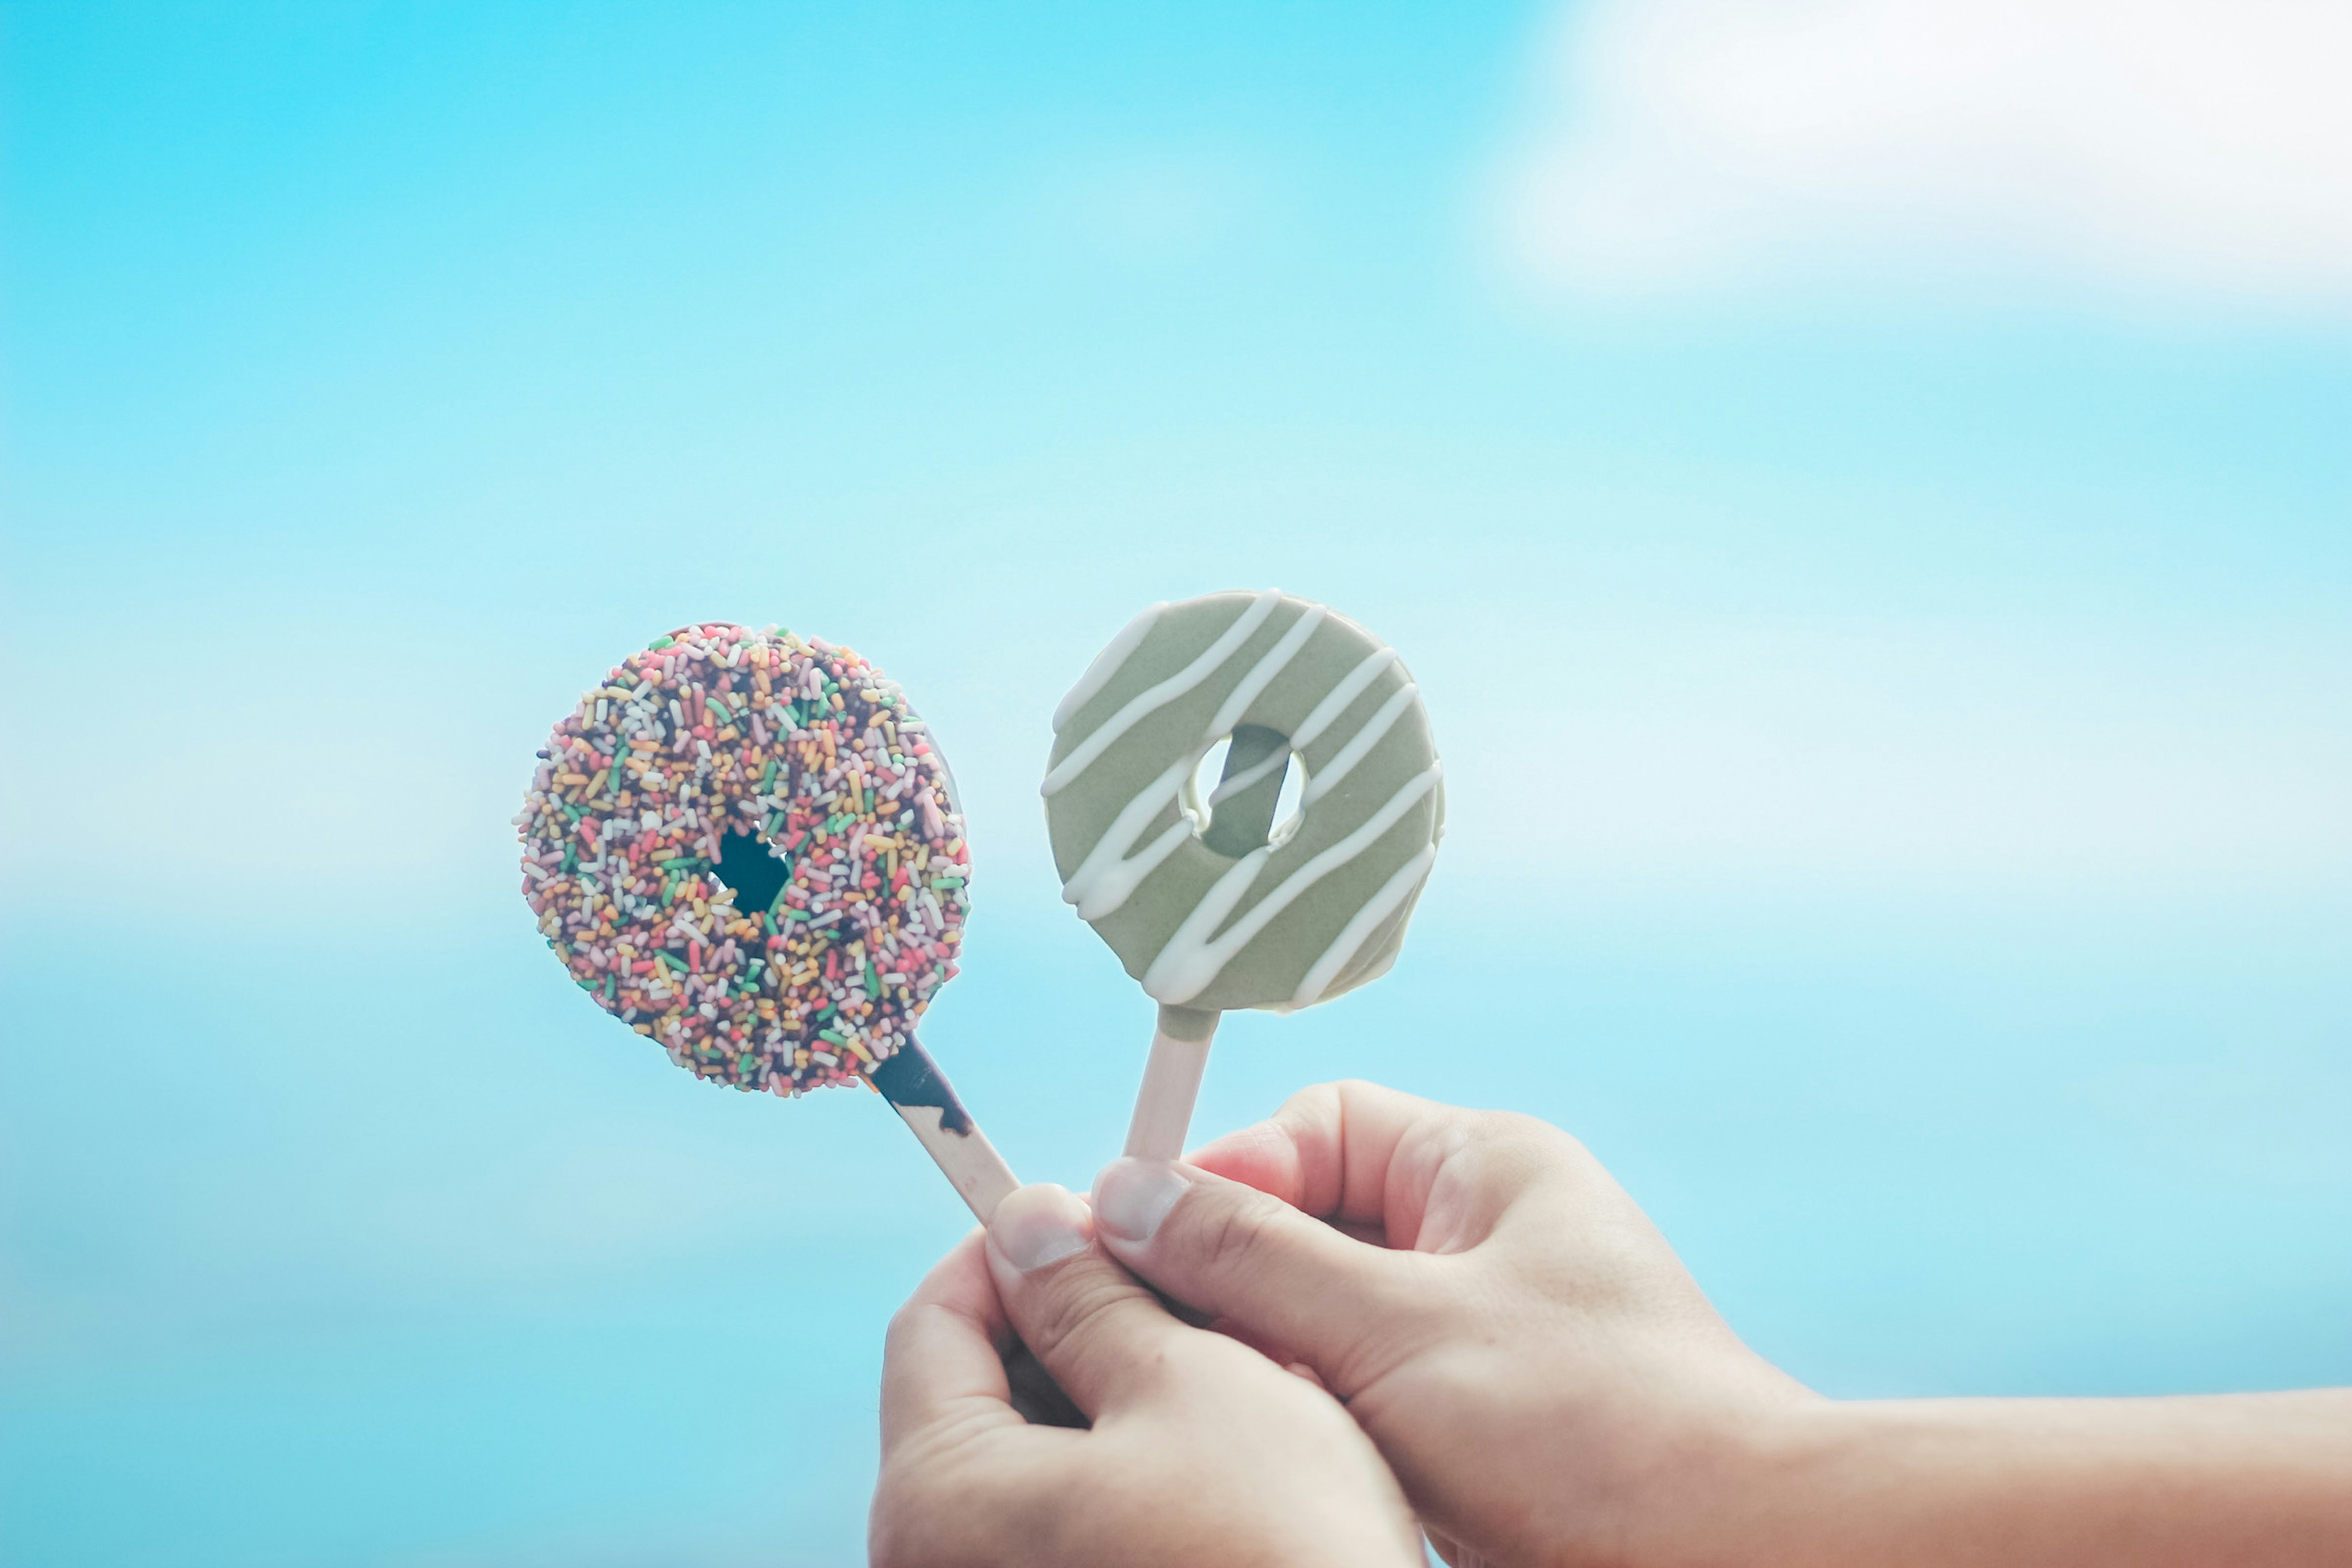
[1038, 1224]
[1132, 1196]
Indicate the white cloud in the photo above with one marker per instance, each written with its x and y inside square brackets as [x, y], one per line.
[2139, 150]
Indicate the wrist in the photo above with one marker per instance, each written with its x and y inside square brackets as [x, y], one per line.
[1748, 1486]
[2256, 1479]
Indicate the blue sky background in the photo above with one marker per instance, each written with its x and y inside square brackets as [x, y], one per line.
[1899, 750]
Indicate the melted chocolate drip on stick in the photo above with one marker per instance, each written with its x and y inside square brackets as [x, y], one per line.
[911, 1078]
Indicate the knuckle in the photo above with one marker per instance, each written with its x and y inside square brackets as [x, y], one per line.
[1070, 1313]
[1512, 1126]
[908, 1325]
[1317, 1101]
[902, 1325]
[1235, 1235]
[1514, 1149]
[1532, 1137]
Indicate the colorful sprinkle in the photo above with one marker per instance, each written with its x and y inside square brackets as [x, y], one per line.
[831, 783]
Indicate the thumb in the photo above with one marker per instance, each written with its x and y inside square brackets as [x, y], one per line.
[1278, 1277]
[1104, 1338]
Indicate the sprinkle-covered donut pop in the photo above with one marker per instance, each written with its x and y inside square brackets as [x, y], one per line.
[1211, 903]
[743, 845]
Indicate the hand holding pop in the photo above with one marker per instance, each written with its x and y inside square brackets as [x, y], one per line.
[1213, 904]
[1184, 1448]
[1550, 1386]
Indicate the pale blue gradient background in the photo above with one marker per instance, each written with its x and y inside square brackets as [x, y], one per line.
[1900, 756]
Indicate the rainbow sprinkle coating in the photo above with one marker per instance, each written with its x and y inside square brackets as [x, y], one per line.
[762, 752]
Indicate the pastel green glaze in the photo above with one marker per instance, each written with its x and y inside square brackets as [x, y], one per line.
[1323, 907]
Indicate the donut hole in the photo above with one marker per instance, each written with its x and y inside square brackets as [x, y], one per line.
[1287, 808]
[1243, 793]
[754, 871]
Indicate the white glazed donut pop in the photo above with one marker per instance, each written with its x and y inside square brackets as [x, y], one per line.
[1211, 903]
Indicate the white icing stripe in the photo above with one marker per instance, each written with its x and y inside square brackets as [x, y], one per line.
[1335, 702]
[1193, 959]
[1189, 941]
[1106, 664]
[1360, 746]
[1249, 775]
[1262, 674]
[1107, 876]
[1395, 891]
[1148, 702]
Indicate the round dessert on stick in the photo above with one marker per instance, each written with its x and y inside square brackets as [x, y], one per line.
[743, 846]
[1210, 902]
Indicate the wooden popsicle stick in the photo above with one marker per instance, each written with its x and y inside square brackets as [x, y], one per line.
[1172, 1082]
[911, 1081]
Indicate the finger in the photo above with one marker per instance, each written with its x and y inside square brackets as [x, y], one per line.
[1369, 1159]
[1105, 1338]
[1271, 1274]
[941, 1362]
[1332, 1148]
[1036, 1394]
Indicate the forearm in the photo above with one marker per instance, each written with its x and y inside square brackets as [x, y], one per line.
[2252, 1480]
[1551, 1389]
